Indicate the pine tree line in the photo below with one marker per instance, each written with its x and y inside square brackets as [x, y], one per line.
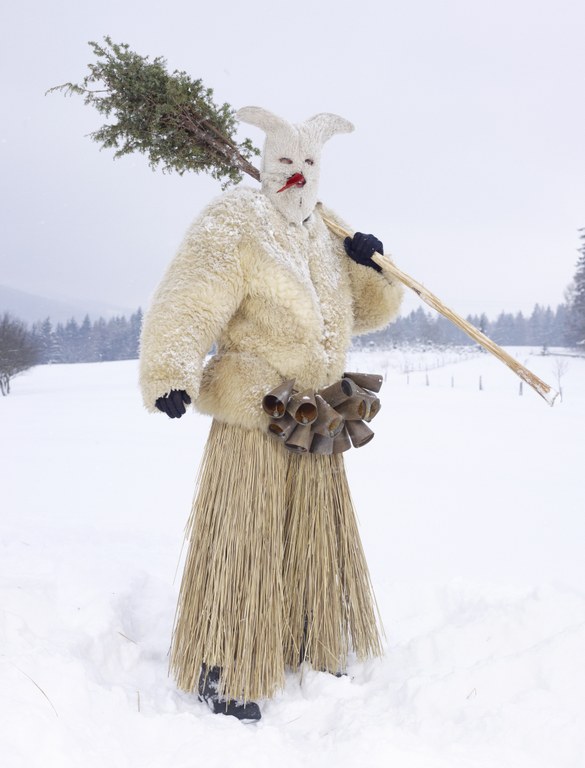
[542, 328]
[102, 340]
[118, 338]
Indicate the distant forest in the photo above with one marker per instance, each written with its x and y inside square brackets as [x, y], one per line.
[543, 328]
[88, 342]
[118, 338]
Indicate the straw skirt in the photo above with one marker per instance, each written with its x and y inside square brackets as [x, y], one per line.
[275, 572]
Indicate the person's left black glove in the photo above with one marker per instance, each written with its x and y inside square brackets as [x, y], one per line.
[174, 403]
[360, 248]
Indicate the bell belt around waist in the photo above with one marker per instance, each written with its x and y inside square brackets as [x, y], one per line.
[324, 421]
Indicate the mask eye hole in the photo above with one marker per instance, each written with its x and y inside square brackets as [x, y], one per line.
[286, 160]
[308, 161]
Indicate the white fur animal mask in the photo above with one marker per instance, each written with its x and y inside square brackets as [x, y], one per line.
[291, 158]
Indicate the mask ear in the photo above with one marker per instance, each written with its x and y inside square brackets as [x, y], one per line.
[263, 119]
[325, 125]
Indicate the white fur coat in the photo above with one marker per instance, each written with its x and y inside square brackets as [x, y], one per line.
[280, 301]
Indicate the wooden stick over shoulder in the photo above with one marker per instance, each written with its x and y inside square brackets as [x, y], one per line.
[390, 269]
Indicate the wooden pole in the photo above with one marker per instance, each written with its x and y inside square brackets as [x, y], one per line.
[390, 269]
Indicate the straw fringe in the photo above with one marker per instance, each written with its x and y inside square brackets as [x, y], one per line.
[275, 572]
[327, 594]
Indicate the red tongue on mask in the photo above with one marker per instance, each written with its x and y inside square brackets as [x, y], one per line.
[296, 180]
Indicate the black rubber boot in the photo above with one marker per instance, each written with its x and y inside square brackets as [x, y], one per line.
[247, 712]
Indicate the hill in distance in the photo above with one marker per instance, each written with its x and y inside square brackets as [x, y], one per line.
[32, 308]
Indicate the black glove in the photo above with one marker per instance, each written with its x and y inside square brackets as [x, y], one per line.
[173, 404]
[360, 248]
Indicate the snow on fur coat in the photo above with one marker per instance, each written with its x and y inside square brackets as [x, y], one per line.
[280, 300]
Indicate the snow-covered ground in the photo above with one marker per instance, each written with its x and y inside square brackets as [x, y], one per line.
[471, 504]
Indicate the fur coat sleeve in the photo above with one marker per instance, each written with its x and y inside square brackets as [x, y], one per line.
[199, 293]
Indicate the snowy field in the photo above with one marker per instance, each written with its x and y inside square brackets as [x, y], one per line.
[472, 511]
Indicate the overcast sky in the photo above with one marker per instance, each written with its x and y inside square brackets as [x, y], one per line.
[468, 158]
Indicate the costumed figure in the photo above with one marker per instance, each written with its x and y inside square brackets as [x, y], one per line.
[275, 573]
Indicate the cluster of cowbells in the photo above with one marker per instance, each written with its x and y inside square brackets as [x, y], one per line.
[330, 420]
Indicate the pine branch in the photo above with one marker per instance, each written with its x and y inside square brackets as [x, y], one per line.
[169, 117]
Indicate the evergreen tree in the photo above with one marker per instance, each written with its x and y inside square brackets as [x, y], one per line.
[503, 329]
[560, 326]
[99, 335]
[520, 330]
[118, 339]
[68, 336]
[576, 301]
[135, 329]
[537, 327]
[83, 341]
[46, 342]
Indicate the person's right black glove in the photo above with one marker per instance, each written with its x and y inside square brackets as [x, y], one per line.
[174, 403]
